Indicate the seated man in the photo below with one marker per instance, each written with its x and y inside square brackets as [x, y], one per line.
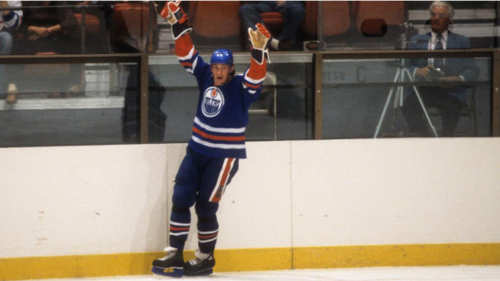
[448, 99]
[46, 29]
[293, 14]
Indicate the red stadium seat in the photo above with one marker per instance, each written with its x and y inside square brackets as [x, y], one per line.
[92, 23]
[274, 22]
[336, 17]
[391, 12]
[131, 24]
[215, 19]
[94, 40]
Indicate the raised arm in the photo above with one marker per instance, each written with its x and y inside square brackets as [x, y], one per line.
[181, 27]
[256, 74]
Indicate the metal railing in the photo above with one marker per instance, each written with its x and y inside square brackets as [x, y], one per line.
[318, 59]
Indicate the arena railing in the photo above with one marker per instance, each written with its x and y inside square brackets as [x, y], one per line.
[143, 60]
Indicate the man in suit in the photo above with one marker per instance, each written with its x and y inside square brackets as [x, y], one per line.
[450, 100]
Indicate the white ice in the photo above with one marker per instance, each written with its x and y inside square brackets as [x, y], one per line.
[437, 273]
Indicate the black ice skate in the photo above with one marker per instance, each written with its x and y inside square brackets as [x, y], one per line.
[171, 265]
[197, 266]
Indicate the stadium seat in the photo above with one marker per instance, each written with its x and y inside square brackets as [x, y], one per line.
[131, 24]
[336, 18]
[391, 12]
[274, 22]
[94, 41]
[92, 23]
[215, 19]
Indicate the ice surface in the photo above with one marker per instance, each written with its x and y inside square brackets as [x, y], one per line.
[437, 273]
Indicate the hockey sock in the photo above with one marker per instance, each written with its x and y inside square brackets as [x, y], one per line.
[200, 255]
[208, 230]
[180, 221]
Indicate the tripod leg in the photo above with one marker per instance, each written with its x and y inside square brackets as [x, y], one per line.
[417, 93]
[391, 92]
[397, 104]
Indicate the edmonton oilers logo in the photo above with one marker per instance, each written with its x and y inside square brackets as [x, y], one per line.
[213, 101]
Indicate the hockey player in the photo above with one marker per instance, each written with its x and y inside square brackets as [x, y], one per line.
[216, 145]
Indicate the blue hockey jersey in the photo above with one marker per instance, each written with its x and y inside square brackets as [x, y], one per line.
[222, 113]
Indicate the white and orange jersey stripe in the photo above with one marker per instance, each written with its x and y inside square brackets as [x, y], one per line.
[222, 181]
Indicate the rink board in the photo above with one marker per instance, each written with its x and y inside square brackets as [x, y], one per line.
[102, 210]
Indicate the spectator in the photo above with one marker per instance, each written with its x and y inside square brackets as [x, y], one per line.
[9, 22]
[448, 99]
[50, 30]
[293, 14]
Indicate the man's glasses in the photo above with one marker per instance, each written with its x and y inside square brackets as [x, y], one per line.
[442, 16]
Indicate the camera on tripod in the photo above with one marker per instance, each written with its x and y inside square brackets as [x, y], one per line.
[405, 28]
[406, 31]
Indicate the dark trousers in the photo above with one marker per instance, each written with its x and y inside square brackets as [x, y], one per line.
[433, 97]
[200, 181]
[293, 13]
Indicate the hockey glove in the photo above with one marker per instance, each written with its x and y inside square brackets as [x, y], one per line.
[260, 38]
[179, 21]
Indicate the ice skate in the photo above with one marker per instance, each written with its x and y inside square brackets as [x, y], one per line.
[203, 264]
[171, 265]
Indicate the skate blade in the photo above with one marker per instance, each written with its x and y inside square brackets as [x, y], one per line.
[199, 273]
[176, 272]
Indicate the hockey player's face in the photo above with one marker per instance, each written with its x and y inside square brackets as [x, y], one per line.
[221, 73]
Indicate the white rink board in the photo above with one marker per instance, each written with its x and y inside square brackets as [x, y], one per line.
[413, 191]
[58, 201]
[92, 200]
